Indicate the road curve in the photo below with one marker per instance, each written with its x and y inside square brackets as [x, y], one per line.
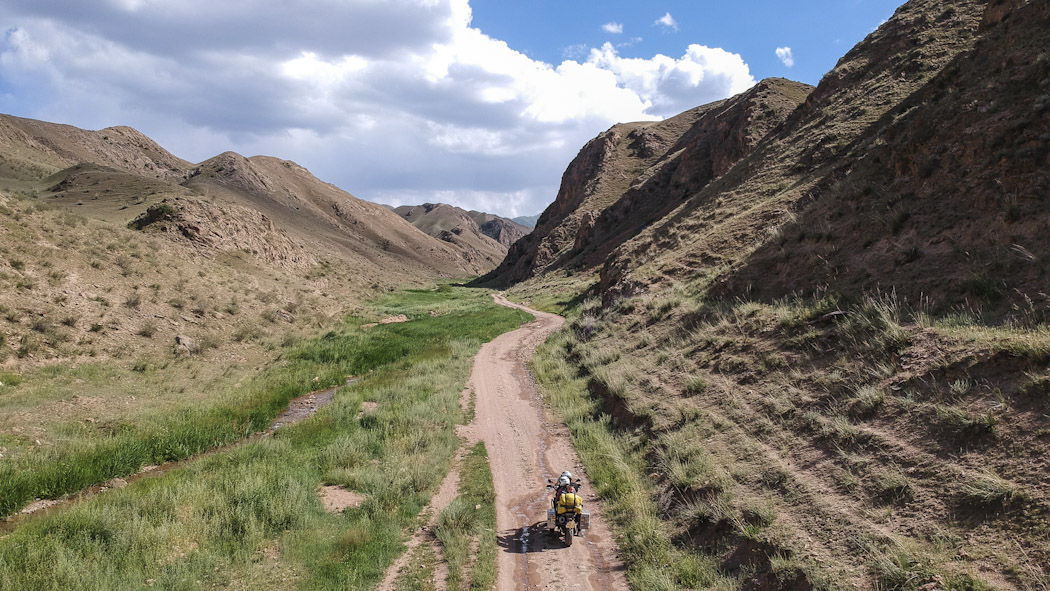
[526, 448]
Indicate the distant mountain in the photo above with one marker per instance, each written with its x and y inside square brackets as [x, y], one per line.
[482, 236]
[529, 221]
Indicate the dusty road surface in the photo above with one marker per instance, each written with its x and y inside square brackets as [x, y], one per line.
[525, 449]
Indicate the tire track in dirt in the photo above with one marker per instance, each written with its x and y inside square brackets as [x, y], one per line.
[446, 494]
[526, 448]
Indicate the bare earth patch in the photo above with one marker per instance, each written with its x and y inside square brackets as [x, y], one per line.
[367, 407]
[388, 320]
[336, 499]
[39, 505]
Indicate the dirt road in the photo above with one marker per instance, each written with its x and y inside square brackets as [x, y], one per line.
[525, 449]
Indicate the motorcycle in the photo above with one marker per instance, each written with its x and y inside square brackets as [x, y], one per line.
[567, 514]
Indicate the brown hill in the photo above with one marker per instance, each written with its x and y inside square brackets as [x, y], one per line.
[314, 210]
[828, 367]
[452, 225]
[32, 149]
[89, 219]
[634, 174]
[480, 236]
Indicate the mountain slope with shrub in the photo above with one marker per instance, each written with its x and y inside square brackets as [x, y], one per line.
[634, 174]
[110, 247]
[827, 368]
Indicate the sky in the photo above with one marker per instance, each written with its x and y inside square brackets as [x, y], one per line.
[477, 103]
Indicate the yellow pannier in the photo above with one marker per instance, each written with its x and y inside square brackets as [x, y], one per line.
[569, 503]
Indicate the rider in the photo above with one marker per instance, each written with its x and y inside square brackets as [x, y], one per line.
[566, 485]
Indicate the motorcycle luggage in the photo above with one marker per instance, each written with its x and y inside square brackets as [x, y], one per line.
[550, 518]
[569, 502]
[585, 519]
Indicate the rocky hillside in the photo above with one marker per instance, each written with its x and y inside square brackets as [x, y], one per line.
[482, 237]
[943, 200]
[885, 179]
[500, 229]
[634, 174]
[831, 359]
[110, 244]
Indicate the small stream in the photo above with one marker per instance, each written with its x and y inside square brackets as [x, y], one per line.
[297, 410]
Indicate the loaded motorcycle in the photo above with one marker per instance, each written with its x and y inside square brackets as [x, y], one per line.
[567, 514]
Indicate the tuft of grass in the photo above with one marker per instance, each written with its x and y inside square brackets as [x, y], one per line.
[892, 485]
[901, 569]
[987, 489]
[695, 386]
[960, 421]
[9, 379]
[867, 400]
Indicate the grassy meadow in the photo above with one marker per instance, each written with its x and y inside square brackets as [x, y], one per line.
[250, 517]
[465, 533]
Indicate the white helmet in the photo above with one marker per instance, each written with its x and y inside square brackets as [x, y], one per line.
[567, 474]
[564, 480]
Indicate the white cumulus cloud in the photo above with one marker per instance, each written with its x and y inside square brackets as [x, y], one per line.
[613, 28]
[667, 21]
[400, 101]
[784, 55]
[670, 86]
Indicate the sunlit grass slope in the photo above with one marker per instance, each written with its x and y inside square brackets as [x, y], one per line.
[250, 517]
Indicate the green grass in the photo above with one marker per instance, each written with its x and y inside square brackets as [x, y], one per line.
[207, 524]
[617, 472]
[316, 364]
[469, 520]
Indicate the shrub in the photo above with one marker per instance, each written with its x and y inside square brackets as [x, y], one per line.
[696, 385]
[133, 301]
[147, 330]
[27, 345]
